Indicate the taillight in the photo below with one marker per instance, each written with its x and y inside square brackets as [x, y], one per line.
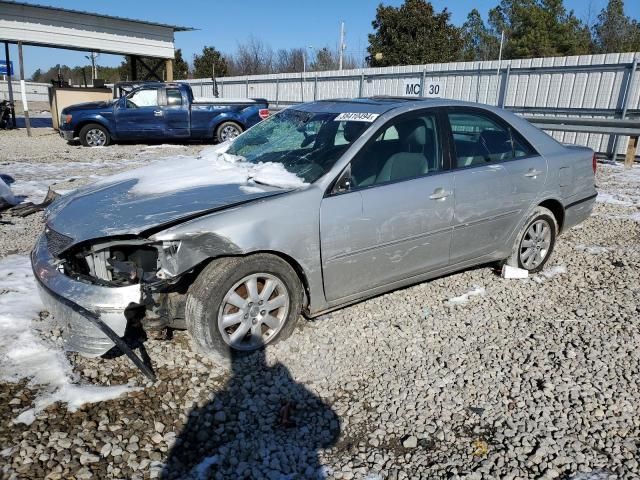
[264, 113]
[595, 164]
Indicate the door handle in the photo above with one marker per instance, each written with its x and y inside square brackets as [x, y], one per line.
[533, 173]
[157, 113]
[439, 194]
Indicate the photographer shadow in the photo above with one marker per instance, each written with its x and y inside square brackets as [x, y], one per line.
[262, 424]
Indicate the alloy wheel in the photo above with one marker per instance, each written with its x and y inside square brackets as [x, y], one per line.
[96, 138]
[253, 311]
[535, 244]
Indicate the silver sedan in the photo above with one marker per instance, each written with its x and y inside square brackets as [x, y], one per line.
[320, 206]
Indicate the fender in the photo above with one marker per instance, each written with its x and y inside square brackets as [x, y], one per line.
[98, 118]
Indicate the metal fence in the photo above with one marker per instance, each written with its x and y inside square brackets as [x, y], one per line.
[588, 86]
[36, 92]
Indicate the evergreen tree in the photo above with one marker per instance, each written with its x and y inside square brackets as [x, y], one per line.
[539, 28]
[616, 32]
[413, 34]
[203, 63]
[479, 42]
[180, 66]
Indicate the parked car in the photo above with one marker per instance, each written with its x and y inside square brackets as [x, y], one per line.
[322, 205]
[158, 112]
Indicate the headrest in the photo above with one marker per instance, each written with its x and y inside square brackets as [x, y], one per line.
[413, 133]
[352, 130]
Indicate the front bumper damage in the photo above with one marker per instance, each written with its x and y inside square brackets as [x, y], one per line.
[92, 316]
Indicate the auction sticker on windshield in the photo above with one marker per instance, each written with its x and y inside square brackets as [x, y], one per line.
[356, 117]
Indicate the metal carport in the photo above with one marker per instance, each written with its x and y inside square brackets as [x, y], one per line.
[39, 25]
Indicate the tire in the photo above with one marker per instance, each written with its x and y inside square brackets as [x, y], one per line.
[228, 131]
[543, 243]
[207, 306]
[94, 135]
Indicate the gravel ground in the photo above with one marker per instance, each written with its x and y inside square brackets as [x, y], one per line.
[534, 378]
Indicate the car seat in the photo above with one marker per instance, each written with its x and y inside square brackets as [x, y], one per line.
[411, 161]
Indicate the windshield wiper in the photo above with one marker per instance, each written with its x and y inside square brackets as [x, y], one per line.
[264, 183]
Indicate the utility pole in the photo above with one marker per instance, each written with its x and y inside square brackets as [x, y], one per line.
[341, 46]
[9, 83]
[23, 91]
[499, 67]
[94, 71]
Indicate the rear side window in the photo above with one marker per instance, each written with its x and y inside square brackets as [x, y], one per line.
[174, 97]
[479, 140]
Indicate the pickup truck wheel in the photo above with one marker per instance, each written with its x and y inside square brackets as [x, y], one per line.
[228, 131]
[535, 241]
[94, 135]
[240, 304]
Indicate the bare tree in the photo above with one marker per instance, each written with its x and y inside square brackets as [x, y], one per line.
[328, 59]
[252, 58]
[289, 61]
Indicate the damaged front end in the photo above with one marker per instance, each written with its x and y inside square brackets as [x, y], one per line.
[99, 290]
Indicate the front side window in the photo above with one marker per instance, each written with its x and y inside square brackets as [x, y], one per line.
[408, 147]
[147, 97]
[479, 140]
[306, 143]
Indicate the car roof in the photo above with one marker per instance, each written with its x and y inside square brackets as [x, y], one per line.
[377, 104]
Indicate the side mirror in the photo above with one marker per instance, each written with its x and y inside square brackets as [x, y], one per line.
[344, 182]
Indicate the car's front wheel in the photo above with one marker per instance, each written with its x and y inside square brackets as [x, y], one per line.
[240, 304]
[535, 241]
[94, 135]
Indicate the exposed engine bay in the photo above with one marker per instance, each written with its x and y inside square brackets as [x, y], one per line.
[134, 262]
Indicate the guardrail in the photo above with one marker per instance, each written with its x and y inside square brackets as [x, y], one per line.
[608, 126]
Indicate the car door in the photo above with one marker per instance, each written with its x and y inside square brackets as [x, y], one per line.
[486, 208]
[389, 216]
[528, 172]
[175, 111]
[140, 116]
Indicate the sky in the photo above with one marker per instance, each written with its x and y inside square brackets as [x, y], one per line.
[279, 23]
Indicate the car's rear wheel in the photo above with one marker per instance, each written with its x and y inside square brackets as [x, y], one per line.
[535, 241]
[228, 131]
[240, 304]
[94, 135]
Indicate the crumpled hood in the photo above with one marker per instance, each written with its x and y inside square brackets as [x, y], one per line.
[103, 210]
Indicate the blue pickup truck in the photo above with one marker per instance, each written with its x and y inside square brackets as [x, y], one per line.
[158, 112]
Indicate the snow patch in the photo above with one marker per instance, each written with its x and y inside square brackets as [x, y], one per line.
[6, 194]
[464, 298]
[591, 249]
[25, 355]
[212, 167]
[550, 273]
[164, 145]
[554, 271]
[605, 197]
